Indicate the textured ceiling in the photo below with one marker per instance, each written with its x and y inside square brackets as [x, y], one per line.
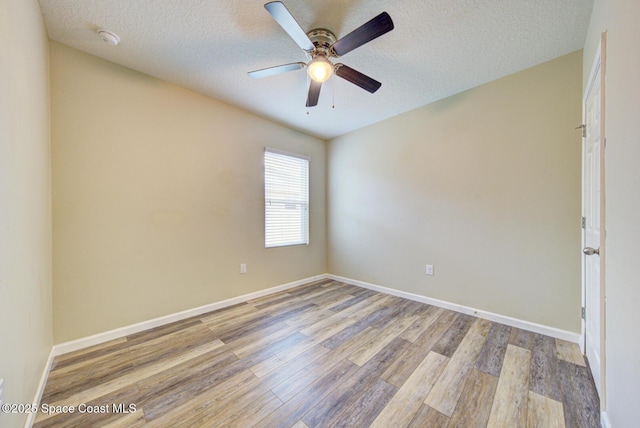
[438, 48]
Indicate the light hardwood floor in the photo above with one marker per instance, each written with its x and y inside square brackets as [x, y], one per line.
[326, 354]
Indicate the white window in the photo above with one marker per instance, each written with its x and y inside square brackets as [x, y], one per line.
[286, 199]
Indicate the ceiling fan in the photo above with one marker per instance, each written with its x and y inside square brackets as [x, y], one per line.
[320, 45]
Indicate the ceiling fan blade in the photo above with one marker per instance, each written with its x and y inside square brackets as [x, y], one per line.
[357, 78]
[281, 14]
[314, 93]
[368, 31]
[272, 71]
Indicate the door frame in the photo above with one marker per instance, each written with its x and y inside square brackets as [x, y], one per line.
[598, 64]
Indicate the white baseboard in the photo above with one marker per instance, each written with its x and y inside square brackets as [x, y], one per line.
[512, 322]
[604, 420]
[96, 339]
[31, 417]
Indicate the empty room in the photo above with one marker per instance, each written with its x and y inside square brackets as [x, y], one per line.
[319, 214]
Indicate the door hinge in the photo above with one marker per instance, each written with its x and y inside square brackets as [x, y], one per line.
[584, 222]
[584, 130]
[584, 313]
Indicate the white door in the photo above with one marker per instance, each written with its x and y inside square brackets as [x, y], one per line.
[593, 214]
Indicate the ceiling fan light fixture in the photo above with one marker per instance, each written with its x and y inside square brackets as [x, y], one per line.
[320, 45]
[320, 69]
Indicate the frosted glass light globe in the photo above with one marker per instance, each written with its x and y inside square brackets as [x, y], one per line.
[320, 69]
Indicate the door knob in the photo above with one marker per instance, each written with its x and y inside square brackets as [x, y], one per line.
[590, 251]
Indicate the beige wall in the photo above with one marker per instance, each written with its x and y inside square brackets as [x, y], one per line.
[484, 185]
[158, 198]
[25, 203]
[619, 18]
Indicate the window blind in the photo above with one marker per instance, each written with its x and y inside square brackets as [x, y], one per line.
[286, 197]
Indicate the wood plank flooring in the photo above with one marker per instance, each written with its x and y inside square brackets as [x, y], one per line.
[326, 354]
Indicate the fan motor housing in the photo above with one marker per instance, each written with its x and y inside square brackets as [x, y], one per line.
[322, 39]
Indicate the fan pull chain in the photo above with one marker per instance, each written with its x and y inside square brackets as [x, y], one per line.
[308, 83]
[333, 92]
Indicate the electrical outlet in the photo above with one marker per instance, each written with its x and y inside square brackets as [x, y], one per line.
[429, 270]
[1, 391]
[243, 268]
